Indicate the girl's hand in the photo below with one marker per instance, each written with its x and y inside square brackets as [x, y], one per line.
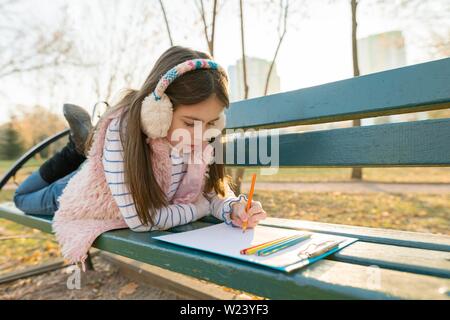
[253, 216]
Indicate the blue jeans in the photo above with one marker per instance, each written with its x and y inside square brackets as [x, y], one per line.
[36, 196]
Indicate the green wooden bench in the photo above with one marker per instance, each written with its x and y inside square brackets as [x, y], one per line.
[409, 265]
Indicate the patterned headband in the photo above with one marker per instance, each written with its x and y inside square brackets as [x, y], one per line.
[180, 69]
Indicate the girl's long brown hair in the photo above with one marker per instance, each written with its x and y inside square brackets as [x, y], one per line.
[190, 88]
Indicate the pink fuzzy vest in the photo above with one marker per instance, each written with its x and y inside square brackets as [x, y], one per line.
[87, 207]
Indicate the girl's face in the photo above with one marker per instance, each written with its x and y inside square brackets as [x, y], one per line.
[200, 116]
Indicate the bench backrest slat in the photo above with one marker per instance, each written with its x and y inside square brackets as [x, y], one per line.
[419, 87]
[416, 143]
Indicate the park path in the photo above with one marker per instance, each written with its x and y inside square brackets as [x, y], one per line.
[352, 187]
[344, 186]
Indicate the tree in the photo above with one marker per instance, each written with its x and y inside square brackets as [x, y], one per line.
[283, 9]
[38, 47]
[10, 145]
[118, 57]
[434, 26]
[37, 124]
[282, 29]
[357, 173]
[166, 21]
[209, 35]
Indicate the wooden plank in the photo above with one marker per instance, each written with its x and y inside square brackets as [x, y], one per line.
[48, 266]
[9, 211]
[419, 87]
[419, 261]
[416, 143]
[417, 240]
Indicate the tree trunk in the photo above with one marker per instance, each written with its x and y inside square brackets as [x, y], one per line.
[239, 172]
[356, 172]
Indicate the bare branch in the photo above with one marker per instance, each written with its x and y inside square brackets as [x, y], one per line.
[166, 21]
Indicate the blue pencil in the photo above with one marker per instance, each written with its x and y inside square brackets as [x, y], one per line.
[279, 246]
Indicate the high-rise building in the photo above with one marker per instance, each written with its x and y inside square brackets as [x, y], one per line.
[381, 52]
[257, 70]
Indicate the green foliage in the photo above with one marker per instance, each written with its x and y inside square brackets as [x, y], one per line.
[11, 146]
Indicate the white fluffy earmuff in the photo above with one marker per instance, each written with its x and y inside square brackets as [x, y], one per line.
[156, 116]
[157, 109]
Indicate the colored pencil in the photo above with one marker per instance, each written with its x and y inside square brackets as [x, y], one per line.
[255, 248]
[249, 201]
[280, 246]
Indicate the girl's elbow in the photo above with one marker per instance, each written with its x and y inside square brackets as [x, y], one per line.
[139, 229]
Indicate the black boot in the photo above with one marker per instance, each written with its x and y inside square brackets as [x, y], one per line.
[80, 124]
[65, 161]
[69, 158]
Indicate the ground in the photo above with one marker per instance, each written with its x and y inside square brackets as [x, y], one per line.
[104, 283]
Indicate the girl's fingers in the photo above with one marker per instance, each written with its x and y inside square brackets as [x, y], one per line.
[256, 204]
[257, 217]
[255, 208]
[237, 222]
[241, 212]
[254, 214]
[253, 211]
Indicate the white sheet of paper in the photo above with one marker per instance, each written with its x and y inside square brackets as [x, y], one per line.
[229, 241]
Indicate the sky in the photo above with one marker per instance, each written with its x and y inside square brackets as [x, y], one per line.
[316, 49]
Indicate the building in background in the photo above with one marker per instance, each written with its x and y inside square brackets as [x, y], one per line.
[257, 70]
[381, 52]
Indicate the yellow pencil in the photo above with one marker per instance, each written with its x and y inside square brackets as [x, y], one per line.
[249, 201]
[252, 250]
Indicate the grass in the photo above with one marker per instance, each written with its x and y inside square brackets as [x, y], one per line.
[25, 171]
[411, 212]
[385, 175]
[21, 246]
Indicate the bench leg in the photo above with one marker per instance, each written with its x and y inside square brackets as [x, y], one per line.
[89, 264]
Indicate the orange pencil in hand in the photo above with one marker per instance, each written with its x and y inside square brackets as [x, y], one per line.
[249, 201]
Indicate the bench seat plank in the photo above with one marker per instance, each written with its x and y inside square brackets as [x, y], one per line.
[420, 261]
[377, 235]
[9, 211]
[260, 280]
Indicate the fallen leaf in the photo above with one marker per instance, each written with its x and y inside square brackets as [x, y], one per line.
[127, 289]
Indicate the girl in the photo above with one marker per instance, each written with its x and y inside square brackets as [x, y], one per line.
[143, 170]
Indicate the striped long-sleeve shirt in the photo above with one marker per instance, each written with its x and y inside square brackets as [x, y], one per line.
[166, 217]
